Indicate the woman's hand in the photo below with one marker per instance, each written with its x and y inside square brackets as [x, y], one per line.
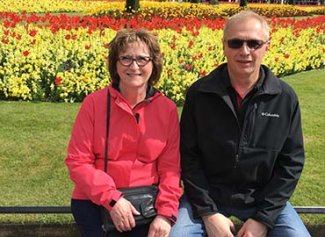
[159, 227]
[122, 215]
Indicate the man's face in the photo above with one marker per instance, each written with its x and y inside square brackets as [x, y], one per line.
[244, 58]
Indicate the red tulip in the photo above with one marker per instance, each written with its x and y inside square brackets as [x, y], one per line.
[26, 53]
[32, 33]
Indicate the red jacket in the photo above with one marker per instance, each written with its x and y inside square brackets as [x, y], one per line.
[142, 151]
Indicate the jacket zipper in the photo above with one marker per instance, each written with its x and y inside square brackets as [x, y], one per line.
[247, 128]
[245, 131]
[236, 160]
[239, 142]
[136, 114]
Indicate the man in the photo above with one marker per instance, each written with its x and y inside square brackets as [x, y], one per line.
[241, 143]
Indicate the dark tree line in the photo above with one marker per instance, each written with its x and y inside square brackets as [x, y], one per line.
[132, 5]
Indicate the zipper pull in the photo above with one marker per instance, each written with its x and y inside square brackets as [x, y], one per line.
[137, 117]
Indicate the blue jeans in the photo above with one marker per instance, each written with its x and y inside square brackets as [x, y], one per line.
[288, 224]
[88, 219]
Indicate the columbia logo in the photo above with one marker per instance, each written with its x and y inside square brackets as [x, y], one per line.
[267, 114]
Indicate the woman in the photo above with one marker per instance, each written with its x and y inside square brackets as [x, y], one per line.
[143, 143]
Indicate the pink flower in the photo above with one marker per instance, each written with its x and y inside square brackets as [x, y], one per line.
[188, 67]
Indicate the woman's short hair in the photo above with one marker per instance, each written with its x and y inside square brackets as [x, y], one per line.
[119, 44]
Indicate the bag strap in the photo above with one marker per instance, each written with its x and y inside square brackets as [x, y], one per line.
[107, 128]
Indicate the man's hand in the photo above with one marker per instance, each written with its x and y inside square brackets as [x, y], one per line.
[159, 227]
[252, 228]
[217, 225]
[122, 215]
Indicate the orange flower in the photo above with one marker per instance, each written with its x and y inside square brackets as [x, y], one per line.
[57, 80]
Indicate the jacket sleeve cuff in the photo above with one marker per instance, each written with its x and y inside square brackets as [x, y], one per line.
[172, 219]
[263, 219]
[114, 198]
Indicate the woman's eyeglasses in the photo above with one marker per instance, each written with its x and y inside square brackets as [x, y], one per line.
[252, 44]
[140, 60]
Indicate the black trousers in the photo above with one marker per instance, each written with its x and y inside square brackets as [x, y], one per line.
[88, 219]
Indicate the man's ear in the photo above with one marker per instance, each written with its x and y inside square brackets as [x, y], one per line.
[267, 45]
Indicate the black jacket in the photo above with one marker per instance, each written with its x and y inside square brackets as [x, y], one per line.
[257, 165]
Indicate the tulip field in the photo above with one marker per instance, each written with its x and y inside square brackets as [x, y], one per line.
[57, 50]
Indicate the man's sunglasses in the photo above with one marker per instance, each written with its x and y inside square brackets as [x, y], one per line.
[252, 44]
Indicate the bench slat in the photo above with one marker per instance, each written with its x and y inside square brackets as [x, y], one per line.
[67, 209]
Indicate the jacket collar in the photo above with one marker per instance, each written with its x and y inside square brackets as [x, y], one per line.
[213, 82]
[151, 93]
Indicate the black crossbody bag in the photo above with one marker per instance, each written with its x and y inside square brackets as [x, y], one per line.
[143, 198]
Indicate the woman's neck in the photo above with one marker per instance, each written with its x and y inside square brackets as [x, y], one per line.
[133, 95]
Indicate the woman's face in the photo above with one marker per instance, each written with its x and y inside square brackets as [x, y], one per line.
[134, 66]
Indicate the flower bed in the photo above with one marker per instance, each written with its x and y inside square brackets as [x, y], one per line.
[153, 8]
[63, 58]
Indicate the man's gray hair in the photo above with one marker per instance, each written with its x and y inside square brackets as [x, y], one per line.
[244, 15]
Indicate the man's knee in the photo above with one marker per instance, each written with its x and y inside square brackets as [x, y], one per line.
[187, 230]
[186, 225]
[289, 224]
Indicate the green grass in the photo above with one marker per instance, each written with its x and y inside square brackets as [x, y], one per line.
[33, 140]
[310, 88]
[34, 137]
